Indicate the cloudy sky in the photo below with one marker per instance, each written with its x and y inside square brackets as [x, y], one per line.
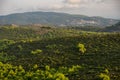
[104, 8]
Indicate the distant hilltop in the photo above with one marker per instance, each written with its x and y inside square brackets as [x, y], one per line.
[53, 18]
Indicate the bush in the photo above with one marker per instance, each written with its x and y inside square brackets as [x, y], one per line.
[10, 72]
[37, 51]
[81, 47]
[103, 76]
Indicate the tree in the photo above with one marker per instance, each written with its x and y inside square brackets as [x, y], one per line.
[82, 48]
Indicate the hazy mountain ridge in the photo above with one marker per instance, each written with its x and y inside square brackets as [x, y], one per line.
[52, 18]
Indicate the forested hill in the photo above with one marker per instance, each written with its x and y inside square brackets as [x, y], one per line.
[113, 28]
[52, 18]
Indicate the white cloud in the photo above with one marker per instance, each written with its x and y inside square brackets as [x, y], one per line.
[72, 1]
[82, 1]
[103, 8]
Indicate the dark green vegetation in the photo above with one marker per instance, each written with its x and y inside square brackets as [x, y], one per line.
[71, 54]
[52, 18]
[89, 28]
[113, 28]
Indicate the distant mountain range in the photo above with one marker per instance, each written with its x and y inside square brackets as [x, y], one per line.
[53, 18]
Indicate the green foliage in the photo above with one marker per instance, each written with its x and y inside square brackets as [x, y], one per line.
[4, 57]
[37, 51]
[18, 33]
[103, 76]
[81, 47]
[74, 69]
[5, 43]
[51, 46]
[56, 47]
[60, 76]
[20, 47]
[8, 72]
[106, 71]
[35, 66]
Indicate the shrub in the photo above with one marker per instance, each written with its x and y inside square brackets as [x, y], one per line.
[103, 76]
[37, 51]
[10, 72]
[20, 47]
[81, 47]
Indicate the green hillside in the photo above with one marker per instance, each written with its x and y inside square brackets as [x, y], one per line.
[49, 53]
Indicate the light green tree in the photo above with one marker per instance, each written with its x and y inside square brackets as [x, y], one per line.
[81, 47]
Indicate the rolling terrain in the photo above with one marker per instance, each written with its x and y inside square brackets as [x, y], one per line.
[113, 28]
[50, 53]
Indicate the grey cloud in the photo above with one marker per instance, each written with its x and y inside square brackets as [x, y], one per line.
[2, 2]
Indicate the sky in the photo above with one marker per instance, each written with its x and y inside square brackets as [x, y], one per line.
[103, 8]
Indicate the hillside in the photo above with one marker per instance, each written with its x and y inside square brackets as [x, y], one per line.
[113, 28]
[36, 32]
[27, 53]
[52, 18]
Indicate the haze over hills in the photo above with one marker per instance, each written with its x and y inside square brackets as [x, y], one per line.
[53, 18]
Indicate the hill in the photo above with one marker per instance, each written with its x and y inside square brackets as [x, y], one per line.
[113, 28]
[52, 18]
[27, 53]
